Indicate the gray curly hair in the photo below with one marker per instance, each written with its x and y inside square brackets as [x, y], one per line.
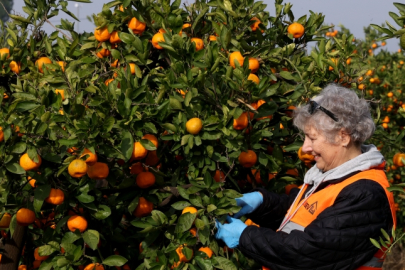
[353, 115]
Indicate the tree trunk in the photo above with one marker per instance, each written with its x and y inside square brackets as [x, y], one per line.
[13, 248]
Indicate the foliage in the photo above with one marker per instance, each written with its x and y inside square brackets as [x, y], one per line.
[168, 87]
[5, 7]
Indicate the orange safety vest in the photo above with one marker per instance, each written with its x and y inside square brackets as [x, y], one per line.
[306, 210]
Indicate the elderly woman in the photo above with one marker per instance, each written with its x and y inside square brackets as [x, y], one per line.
[328, 223]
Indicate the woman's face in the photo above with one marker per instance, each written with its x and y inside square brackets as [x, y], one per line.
[327, 155]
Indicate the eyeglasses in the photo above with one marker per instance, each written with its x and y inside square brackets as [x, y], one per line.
[313, 106]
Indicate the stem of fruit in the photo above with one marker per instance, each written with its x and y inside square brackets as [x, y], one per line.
[393, 244]
[99, 253]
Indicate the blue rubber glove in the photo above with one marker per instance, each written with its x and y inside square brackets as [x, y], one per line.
[231, 232]
[249, 203]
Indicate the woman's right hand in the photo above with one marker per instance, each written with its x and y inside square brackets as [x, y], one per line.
[249, 203]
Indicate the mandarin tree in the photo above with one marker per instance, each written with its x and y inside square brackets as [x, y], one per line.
[131, 148]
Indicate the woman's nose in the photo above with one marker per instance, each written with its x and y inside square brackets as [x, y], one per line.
[307, 146]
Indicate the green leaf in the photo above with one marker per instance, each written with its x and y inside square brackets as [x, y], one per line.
[46, 265]
[180, 205]
[69, 238]
[46, 250]
[127, 144]
[395, 17]
[140, 223]
[381, 29]
[169, 126]
[175, 104]
[185, 138]
[61, 262]
[18, 148]
[85, 198]
[40, 194]
[19, 18]
[91, 238]
[25, 106]
[225, 37]
[103, 212]
[266, 109]
[71, 142]
[211, 208]
[126, 38]
[185, 222]
[148, 145]
[87, 46]
[138, 44]
[400, 7]
[115, 260]
[375, 243]
[396, 188]
[223, 263]
[287, 75]
[15, 168]
[386, 235]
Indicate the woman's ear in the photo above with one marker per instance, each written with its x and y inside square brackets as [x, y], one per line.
[344, 138]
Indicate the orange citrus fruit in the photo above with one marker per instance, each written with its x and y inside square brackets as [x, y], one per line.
[56, 197]
[136, 168]
[91, 158]
[306, 157]
[60, 92]
[143, 208]
[158, 37]
[247, 159]
[39, 257]
[28, 164]
[5, 51]
[5, 220]
[145, 179]
[25, 216]
[62, 65]
[255, 25]
[152, 159]
[236, 56]
[41, 62]
[194, 125]
[241, 122]
[199, 43]
[15, 67]
[189, 209]
[219, 176]
[151, 138]
[77, 168]
[98, 171]
[114, 38]
[249, 222]
[289, 187]
[102, 34]
[77, 222]
[139, 151]
[207, 251]
[252, 77]
[136, 26]
[103, 53]
[296, 30]
[94, 266]
[253, 64]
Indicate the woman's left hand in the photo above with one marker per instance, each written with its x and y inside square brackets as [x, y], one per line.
[230, 232]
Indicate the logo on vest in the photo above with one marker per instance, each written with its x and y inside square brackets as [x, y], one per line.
[311, 207]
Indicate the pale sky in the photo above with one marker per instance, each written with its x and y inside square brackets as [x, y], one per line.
[353, 14]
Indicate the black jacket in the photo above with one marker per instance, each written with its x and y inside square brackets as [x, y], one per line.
[338, 239]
